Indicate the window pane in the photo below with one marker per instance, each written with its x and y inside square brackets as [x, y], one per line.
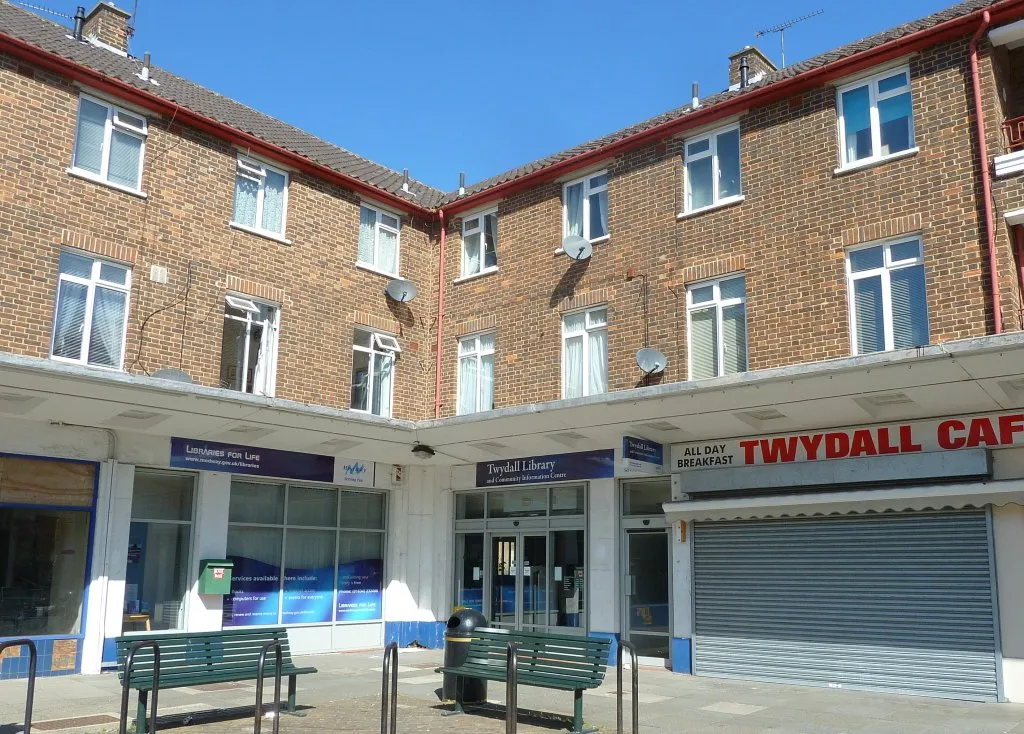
[255, 502]
[470, 224]
[598, 214]
[894, 116]
[92, 122]
[569, 595]
[76, 265]
[387, 251]
[573, 367]
[273, 202]
[567, 500]
[360, 576]
[113, 274]
[732, 288]
[704, 344]
[486, 342]
[312, 506]
[468, 386]
[699, 181]
[490, 241]
[125, 154]
[367, 235]
[574, 210]
[729, 164]
[702, 294]
[160, 496]
[699, 146]
[107, 327]
[383, 366]
[69, 323]
[246, 191]
[573, 322]
[597, 318]
[308, 576]
[867, 293]
[363, 510]
[255, 370]
[734, 339]
[869, 259]
[909, 307]
[256, 577]
[156, 576]
[597, 380]
[471, 254]
[599, 180]
[486, 401]
[905, 251]
[645, 497]
[518, 503]
[892, 82]
[232, 354]
[857, 123]
[363, 338]
[389, 221]
[360, 380]
[469, 565]
[469, 506]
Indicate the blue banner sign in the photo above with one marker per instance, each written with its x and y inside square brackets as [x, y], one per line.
[640, 456]
[551, 468]
[187, 453]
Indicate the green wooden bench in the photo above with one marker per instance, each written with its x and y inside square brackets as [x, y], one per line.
[198, 658]
[562, 662]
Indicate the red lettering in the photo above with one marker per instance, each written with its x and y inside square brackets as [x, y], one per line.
[778, 449]
[837, 445]
[884, 446]
[1009, 425]
[863, 444]
[907, 445]
[947, 440]
[748, 451]
[811, 444]
[981, 432]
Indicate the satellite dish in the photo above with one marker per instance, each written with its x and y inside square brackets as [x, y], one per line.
[576, 247]
[401, 290]
[651, 361]
[169, 373]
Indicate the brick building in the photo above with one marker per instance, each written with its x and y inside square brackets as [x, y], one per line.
[198, 360]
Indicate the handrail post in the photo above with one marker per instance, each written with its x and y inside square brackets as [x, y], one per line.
[390, 669]
[129, 661]
[511, 692]
[635, 675]
[258, 722]
[30, 694]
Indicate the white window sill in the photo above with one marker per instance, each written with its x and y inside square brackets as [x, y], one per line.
[90, 176]
[474, 276]
[598, 241]
[266, 234]
[719, 205]
[872, 162]
[1009, 164]
[366, 412]
[81, 363]
[376, 271]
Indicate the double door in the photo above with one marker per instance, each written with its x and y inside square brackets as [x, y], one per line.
[519, 581]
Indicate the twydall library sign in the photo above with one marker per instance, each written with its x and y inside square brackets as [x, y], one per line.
[948, 434]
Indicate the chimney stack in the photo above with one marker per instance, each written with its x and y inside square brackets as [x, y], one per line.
[755, 62]
[108, 24]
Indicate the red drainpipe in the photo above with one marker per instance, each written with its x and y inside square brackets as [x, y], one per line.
[986, 178]
[1018, 235]
[440, 317]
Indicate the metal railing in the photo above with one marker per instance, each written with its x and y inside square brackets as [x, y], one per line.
[1013, 134]
[634, 670]
[260, 675]
[511, 694]
[30, 694]
[390, 671]
[129, 661]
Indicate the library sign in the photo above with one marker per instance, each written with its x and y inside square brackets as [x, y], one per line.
[947, 434]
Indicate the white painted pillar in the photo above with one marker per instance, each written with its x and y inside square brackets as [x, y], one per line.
[116, 506]
[1008, 536]
[601, 579]
[681, 647]
[203, 613]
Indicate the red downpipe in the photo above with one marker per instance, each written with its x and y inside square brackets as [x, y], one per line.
[1018, 236]
[440, 317]
[986, 178]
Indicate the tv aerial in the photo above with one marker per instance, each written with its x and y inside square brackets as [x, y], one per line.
[576, 247]
[781, 30]
[401, 290]
[651, 361]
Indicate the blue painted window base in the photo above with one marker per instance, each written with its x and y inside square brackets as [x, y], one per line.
[681, 655]
[427, 634]
[16, 665]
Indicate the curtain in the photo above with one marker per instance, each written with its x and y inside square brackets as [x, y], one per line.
[471, 254]
[486, 383]
[92, 126]
[598, 378]
[70, 320]
[273, 202]
[703, 344]
[388, 251]
[734, 339]
[574, 367]
[909, 307]
[246, 191]
[599, 214]
[490, 236]
[867, 296]
[367, 235]
[468, 385]
[383, 365]
[125, 152]
[308, 550]
[574, 210]
[107, 327]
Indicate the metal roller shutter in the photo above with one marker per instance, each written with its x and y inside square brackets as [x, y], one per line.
[898, 602]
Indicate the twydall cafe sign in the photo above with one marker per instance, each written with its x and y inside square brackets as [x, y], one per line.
[949, 434]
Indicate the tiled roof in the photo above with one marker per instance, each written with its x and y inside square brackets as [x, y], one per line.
[56, 39]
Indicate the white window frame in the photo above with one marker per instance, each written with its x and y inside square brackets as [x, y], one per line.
[871, 82]
[113, 121]
[588, 191]
[885, 272]
[256, 170]
[272, 326]
[711, 152]
[587, 330]
[719, 304]
[91, 283]
[479, 229]
[478, 353]
[380, 343]
[377, 227]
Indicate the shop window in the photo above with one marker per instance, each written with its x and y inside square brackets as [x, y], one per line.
[568, 578]
[469, 506]
[373, 368]
[159, 539]
[469, 562]
[248, 356]
[645, 496]
[91, 317]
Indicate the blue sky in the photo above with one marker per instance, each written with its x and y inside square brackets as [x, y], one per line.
[439, 86]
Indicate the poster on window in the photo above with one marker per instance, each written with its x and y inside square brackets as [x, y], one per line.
[307, 595]
[360, 592]
[255, 593]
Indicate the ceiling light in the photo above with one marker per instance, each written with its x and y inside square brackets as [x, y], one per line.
[422, 451]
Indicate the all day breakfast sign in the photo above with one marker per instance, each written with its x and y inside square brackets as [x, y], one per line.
[947, 434]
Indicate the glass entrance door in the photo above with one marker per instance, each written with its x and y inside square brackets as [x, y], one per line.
[519, 580]
[647, 592]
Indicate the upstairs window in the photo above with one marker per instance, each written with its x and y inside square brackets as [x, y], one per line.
[373, 369]
[248, 357]
[109, 144]
[261, 197]
[585, 353]
[92, 311]
[717, 315]
[378, 239]
[476, 374]
[585, 207]
[479, 243]
[888, 305]
[876, 118]
[713, 169]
